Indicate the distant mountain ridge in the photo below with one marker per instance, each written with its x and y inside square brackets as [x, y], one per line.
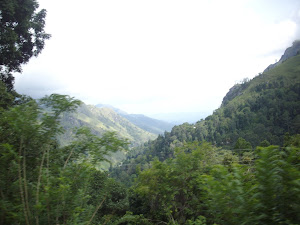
[119, 111]
[100, 120]
[149, 124]
[178, 118]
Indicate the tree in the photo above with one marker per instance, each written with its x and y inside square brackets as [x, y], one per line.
[242, 144]
[22, 36]
[172, 190]
[43, 182]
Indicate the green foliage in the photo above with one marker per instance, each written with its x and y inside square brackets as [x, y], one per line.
[201, 220]
[172, 189]
[131, 219]
[264, 143]
[22, 36]
[262, 109]
[242, 144]
[228, 195]
[6, 98]
[261, 195]
[205, 185]
[43, 183]
[277, 192]
[292, 140]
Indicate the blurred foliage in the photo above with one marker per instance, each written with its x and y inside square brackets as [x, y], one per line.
[198, 187]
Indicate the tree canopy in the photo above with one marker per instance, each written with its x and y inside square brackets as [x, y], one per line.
[22, 36]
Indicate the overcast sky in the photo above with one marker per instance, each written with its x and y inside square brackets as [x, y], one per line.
[157, 56]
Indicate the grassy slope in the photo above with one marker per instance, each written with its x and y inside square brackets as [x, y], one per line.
[101, 120]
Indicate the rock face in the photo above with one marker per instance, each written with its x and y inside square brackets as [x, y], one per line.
[236, 90]
[289, 52]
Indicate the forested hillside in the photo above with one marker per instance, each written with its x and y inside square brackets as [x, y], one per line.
[249, 172]
[265, 108]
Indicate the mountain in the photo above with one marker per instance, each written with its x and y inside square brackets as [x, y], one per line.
[100, 120]
[289, 52]
[264, 109]
[149, 124]
[119, 111]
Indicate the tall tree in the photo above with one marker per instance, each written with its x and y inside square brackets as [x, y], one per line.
[22, 36]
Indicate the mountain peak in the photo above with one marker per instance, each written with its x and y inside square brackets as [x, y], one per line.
[288, 53]
[119, 111]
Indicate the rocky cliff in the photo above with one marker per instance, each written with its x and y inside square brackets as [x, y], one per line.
[289, 52]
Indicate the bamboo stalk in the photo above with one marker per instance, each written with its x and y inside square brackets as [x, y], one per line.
[38, 184]
[25, 183]
[48, 208]
[98, 207]
[69, 156]
[20, 181]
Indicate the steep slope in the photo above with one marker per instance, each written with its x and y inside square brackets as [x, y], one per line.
[288, 53]
[265, 108]
[100, 120]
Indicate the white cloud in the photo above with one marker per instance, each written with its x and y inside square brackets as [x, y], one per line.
[157, 55]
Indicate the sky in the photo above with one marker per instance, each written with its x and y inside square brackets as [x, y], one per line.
[157, 56]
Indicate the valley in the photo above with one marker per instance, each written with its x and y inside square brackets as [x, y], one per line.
[66, 162]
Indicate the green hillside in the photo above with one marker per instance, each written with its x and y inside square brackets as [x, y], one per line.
[146, 123]
[265, 108]
[240, 165]
[100, 120]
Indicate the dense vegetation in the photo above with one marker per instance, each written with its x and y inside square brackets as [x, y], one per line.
[190, 182]
[264, 108]
[44, 183]
[238, 166]
[206, 185]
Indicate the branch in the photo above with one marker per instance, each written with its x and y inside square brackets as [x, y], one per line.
[96, 210]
